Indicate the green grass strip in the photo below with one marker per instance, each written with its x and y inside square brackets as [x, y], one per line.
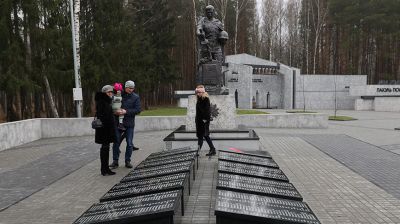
[164, 111]
[242, 112]
[300, 111]
[341, 118]
[178, 111]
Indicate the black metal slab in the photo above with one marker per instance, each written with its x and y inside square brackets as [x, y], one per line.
[262, 154]
[172, 152]
[258, 186]
[251, 170]
[241, 208]
[156, 208]
[178, 182]
[148, 181]
[167, 160]
[163, 170]
[172, 156]
[246, 159]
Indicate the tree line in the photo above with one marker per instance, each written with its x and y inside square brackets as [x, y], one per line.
[153, 43]
[334, 36]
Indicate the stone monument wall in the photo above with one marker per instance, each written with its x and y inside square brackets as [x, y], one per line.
[319, 91]
[286, 73]
[264, 84]
[239, 77]
[226, 118]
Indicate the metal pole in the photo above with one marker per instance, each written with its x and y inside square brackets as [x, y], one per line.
[76, 65]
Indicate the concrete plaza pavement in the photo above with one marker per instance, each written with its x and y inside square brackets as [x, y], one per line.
[348, 173]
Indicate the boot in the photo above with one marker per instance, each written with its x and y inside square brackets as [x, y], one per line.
[108, 172]
[128, 164]
[104, 156]
[114, 164]
[212, 152]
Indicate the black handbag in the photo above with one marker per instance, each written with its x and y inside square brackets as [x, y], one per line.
[96, 123]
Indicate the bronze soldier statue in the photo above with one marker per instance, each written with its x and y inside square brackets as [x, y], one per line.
[212, 38]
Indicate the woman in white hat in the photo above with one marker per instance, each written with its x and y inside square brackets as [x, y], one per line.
[106, 134]
[203, 117]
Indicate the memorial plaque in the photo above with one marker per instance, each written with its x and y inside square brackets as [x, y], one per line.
[167, 160]
[141, 189]
[149, 181]
[246, 159]
[153, 208]
[158, 171]
[211, 74]
[251, 170]
[235, 207]
[237, 151]
[172, 152]
[258, 186]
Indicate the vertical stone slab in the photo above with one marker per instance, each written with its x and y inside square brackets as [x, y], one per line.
[239, 77]
[287, 87]
[226, 119]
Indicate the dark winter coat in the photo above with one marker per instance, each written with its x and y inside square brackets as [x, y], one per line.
[105, 134]
[203, 113]
[131, 103]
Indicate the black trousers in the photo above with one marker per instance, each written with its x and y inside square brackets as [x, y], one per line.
[104, 156]
[208, 140]
[203, 132]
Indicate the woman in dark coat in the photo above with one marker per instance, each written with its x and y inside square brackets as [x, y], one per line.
[106, 134]
[203, 117]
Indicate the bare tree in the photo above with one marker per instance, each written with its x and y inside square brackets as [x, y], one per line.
[221, 7]
[239, 6]
[319, 11]
[50, 96]
[269, 26]
[292, 16]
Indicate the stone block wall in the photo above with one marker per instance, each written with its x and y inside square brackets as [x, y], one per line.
[13, 134]
[389, 104]
[20, 132]
[226, 108]
[364, 104]
[264, 84]
[319, 91]
[287, 86]
[239, 77]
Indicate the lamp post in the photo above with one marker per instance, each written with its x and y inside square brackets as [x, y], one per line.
[77, 91]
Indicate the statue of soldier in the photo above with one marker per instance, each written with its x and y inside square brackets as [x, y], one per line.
[209, 33]
[212, 38]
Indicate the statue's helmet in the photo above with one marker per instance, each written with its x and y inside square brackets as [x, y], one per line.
[223, 35]
[209, 8]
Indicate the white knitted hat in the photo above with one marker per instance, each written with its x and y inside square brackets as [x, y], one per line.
[130, 84]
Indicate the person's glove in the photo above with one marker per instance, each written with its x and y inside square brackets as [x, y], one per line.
[205, 121]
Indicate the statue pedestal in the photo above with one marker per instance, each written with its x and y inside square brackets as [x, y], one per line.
[226, 119]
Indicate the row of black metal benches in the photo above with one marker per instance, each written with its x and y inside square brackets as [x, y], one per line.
[252, 189]
[155, 192]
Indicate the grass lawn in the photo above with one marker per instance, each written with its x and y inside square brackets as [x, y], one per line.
[164, 111]
[341, 118]
[300, 111]
[242, 112]
[178, 111]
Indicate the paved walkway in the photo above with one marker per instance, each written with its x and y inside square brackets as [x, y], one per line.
[347, 173]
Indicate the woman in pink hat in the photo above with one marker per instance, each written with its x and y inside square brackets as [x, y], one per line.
[203, 117]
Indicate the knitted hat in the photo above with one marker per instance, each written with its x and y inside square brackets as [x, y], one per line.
[118, 86]
[129, 84]
[106, 88]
